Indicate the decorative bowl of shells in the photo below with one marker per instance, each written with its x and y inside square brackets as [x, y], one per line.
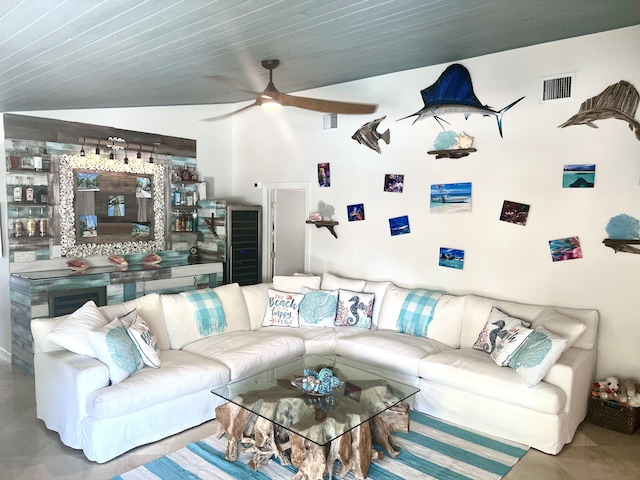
[317, 384]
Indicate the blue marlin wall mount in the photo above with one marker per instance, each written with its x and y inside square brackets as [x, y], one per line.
[453, 93]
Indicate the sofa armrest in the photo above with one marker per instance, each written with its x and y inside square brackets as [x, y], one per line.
[574, 373]
[63, 380]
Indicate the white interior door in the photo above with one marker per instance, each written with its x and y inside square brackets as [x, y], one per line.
[289, 215]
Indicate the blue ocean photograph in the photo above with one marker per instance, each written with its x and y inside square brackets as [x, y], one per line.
[578, 176]
[399, 225]
[451, 257]
[450, 197]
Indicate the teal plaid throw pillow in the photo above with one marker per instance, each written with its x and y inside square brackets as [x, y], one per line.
[417, 311]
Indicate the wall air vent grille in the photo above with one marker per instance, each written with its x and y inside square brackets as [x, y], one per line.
[330, 120]
[557, 88]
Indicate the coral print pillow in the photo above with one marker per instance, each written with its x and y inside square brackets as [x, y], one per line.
[282, 309]
[355, 309]
[318, 308]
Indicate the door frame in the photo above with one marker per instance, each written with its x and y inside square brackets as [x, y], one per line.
[268, 195]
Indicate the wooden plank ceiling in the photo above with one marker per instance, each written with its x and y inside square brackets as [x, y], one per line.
[115, 53]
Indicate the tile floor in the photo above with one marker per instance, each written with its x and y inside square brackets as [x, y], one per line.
[28, 451]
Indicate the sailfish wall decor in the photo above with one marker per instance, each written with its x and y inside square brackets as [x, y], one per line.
[619, 100]
[453, 93]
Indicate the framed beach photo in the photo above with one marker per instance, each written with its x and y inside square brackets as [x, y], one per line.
[88, 182]
[578, 176]
[450, 197]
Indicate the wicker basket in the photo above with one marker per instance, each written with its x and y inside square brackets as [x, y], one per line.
[614, 416]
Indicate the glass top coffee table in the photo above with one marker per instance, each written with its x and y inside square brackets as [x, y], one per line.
[271, 415]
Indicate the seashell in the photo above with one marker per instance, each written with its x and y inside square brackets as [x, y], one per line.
[315, 217]
[77, 264]
[118, 261]
[151, 259]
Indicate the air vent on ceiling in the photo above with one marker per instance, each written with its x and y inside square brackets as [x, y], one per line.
[330, 120]
[557, 88]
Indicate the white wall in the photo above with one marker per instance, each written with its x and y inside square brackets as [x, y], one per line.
[502, 260]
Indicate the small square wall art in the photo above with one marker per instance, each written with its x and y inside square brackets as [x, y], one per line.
[451, 257]
[399, 225]
[578, 176]
[355, 212]
[514, 212]
[324, 175]
[565, 249]
[393, 182]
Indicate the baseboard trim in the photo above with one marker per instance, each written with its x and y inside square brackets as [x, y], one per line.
[5, 357]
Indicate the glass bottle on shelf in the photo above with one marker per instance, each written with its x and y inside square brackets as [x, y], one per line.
[46, 161]
[183, 199]
[31, 225]
[37, 160]
[17, 194]
[42, 195]
[186, 174]
[194, 221]
[42, 224]
[18, 228]
[26, 162]
[28, 194]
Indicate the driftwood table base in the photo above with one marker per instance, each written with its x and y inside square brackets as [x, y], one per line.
[354, 449]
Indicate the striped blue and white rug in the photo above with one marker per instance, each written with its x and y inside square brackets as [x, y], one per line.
[433, 449]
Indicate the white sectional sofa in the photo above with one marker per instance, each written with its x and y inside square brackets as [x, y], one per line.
[431, 347]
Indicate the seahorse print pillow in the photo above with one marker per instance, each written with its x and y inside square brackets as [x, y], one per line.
[497, 326]
[318, 308]
[355, 309]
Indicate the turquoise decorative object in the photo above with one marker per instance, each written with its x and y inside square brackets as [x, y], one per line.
[623, 227]
[445, 140]
[318, 383]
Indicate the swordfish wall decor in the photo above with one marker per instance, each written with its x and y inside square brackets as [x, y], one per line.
[453, 93]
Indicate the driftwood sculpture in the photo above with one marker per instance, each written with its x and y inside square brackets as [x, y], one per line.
[616, 101]
[250, 433]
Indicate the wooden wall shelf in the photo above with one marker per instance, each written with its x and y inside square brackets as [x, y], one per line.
[453, 153]
[622, 245]
[327, 224]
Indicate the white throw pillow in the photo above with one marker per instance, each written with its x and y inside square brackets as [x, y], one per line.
[72, 333]
[333, 282]
[378, 289]
[116, 350]
[282, 309]
[537, 355]
[498, 325]
[145, 341]
[355, 309]
[561, 325]
[318, 308]
[392, 302]
[295, 283]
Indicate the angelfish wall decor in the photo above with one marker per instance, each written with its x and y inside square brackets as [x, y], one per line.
[453, 93]
[368, 135]
[619, 100]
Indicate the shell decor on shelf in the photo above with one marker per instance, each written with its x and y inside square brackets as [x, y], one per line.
[317, 383]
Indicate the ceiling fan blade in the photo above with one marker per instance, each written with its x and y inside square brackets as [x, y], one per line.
[327, 106]
[227, 115]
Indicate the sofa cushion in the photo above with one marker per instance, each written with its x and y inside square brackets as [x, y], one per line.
[333, 282]
[445, 325]
[318, 341]
[318, 308]
[114, 348]
[475, 372]
[181, 324]
[282, 309]
[560, 325]
[150, 308]
[388, 349]
[248, 353]
[182, 373]
[378, 289]
[255, 297]
[73, 332]
[295, 283]
[537, 355]
[354, 309]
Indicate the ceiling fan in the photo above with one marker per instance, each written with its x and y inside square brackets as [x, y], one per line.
[271, 96]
